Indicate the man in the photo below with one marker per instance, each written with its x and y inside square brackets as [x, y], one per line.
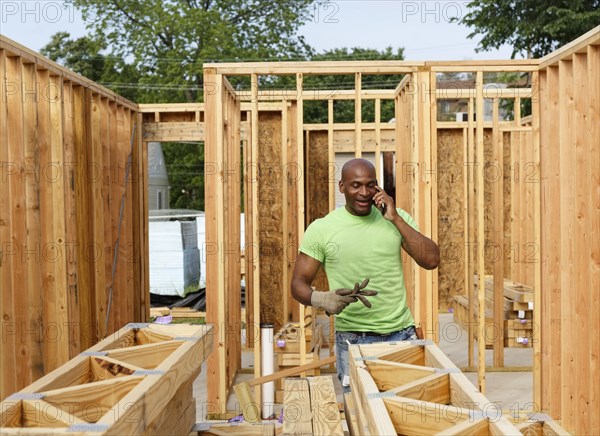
[360, 241]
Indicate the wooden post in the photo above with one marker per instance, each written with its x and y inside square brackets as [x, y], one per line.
[300, 158]
[470, 241]
[378, 141]
[480, 232]
[498, 240]
[285, 203]
[537, 241]
[331, 155]
[357, 115]
[256, 236]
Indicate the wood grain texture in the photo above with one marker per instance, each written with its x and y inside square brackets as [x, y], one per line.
[297, 415]
[325, 414]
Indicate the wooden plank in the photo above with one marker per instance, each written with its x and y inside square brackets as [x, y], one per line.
[412, 416]
[593, 129]
[350, 413]
[297, 415]
[386, 375]
[256, 235]
[32, 346]
[470, 223]
[147, 356]
[85, 289]
[498, 238]
[434, 388]
[568, 257]
[314, 67]
[480, 228]
[214, 236]
[91, 401]
[18, 228]
[331, 155]
[378, 141]
[127, 238]
[357, 115]
[582, 244]
[286, 276]
[325, 414]
[38, 413]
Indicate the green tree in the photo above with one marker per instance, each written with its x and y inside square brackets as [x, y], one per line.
[316, 111]
[84, 56]
[170, 40]
[185, 165]
[533, 28]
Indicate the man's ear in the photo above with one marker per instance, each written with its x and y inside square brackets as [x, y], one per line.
[341, 186]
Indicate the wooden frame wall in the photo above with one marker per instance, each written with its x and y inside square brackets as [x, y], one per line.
[64, 144]
[569, 137]
[222, 200]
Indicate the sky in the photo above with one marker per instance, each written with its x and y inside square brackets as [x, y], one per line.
[423, 28]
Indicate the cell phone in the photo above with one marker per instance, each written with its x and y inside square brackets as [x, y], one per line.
[382, 207]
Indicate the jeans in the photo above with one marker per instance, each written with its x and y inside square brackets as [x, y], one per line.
[341, 348]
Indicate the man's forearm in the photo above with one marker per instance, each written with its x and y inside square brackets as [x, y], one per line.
[422, 249]
[302, 292]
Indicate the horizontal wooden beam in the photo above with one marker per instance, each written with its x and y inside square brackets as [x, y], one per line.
[489, 92]
[578, 45]
[315, 67]
[317, 94]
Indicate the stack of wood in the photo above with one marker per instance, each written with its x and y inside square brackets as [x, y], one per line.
[518, 313]
[137, 381]
[310, 407]
[286, 346]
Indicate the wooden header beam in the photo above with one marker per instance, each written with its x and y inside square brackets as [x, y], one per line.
[317, 94]
[315, 67]
[369, 67]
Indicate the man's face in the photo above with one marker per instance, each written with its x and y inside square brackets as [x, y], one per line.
[358, 186]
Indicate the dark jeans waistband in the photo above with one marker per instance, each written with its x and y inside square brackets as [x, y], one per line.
[363, 334]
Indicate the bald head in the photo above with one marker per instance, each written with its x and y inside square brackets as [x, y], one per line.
[354, 165]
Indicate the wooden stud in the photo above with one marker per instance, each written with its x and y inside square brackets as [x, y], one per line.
[256, 235]
[285, 203]
[331, 155]
[32, 314]
[568, 257]
[378, 141]
[480, 230]
[593, 129]
[582, 243]
[358, 115]
[498, 239]
[470, 241]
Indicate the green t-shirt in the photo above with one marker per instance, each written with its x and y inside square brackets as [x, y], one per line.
[352, 248]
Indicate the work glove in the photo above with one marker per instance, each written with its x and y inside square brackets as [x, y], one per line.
[332, 302]
[359, 292]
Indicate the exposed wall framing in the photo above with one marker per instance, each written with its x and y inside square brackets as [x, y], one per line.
[569, 137]
[64, 146]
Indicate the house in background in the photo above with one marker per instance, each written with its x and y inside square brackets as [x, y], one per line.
[158, 179]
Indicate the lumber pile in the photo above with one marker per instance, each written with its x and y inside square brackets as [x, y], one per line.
[413, 388]
[136, 381]
[518, 313]
[310, 407]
